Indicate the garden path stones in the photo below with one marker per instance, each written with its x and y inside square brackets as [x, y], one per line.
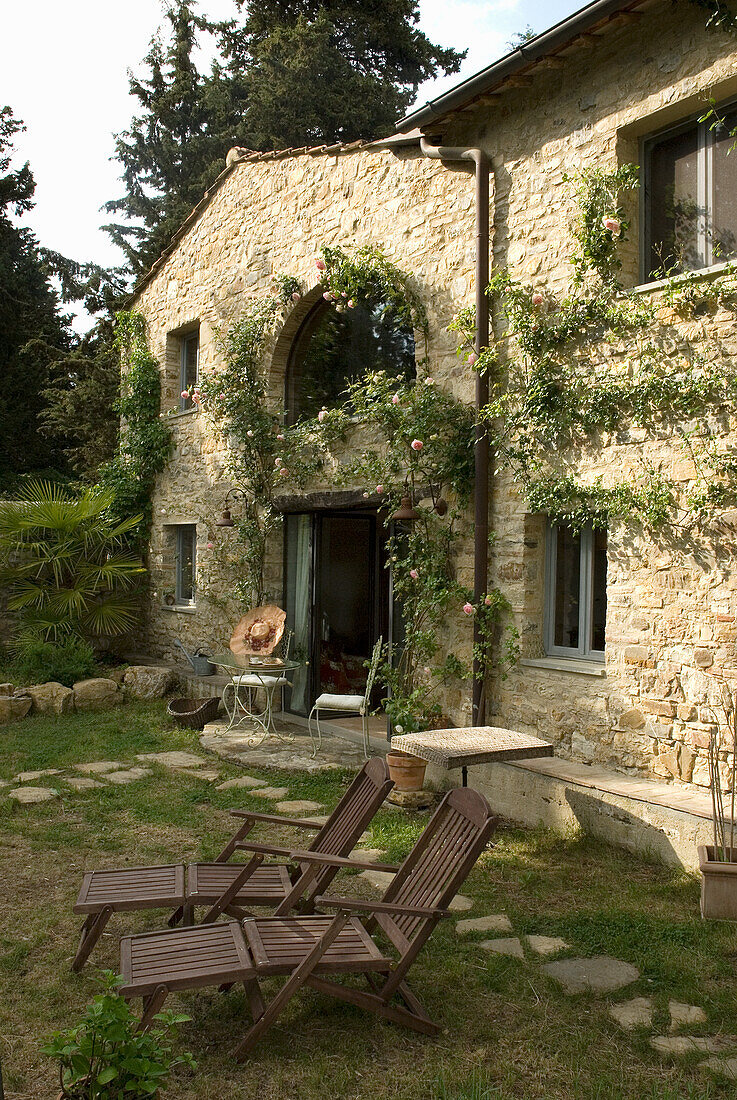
[600, 974]
[173, 759]
[29, 795]
[727, 1067]
[298, 806]
[460, 903]
[681, 1014]
[685, 1044]
[635, 1013]
[495, 922]
[510, 945]
[371, 855]
[83, 783]
[275, 794]
[99, 767]
[546, 945]
[127, 776]
[28, 777]
[247, 781]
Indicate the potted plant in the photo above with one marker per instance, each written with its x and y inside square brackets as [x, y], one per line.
[106, 1056]
[718, 861]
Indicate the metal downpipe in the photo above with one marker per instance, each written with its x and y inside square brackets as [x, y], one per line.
[481, 448]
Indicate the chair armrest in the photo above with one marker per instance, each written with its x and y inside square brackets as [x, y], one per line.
[362, 906]
[339, 861]
[277, 819]
[266, 849]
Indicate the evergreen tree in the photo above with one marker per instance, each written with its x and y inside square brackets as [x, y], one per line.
[321, 71]
[176, 147]
[33, 330]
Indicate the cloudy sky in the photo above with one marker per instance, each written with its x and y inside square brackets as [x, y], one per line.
[63, 70]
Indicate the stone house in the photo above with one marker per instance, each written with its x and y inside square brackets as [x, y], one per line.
[619, 632]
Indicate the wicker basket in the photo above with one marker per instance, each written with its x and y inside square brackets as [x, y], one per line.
[193, 713]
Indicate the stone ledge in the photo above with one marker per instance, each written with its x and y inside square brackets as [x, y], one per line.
[565, 664]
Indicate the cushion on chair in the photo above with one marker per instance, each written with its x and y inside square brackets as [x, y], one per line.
[340, 702]
[253, 680]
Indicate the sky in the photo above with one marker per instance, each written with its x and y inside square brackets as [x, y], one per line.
[63, 71]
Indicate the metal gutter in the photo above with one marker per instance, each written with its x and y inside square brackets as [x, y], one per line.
[536, 49]
[481, 164]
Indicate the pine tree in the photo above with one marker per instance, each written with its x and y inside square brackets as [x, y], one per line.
[176, 146]
[321, 71]
[33, 331]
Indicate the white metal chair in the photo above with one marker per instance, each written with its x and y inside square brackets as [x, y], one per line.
[354, 704]
[268, 682]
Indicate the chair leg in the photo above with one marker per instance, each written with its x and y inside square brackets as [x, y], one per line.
[92, 929]
[364, 726]
[316, 741]
[152, 1005]
[298, 978]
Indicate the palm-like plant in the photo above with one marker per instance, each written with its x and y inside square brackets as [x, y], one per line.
[65, 563]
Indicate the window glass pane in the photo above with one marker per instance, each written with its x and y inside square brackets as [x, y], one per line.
[723, 222]
[190, 364]
[335, 348]
[567, 587]
[186, 544]
[673, 203]
[598, 590]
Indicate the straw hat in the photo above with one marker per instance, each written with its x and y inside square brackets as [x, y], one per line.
[258, 632]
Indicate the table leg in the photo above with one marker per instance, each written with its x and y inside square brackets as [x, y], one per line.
[464, 776]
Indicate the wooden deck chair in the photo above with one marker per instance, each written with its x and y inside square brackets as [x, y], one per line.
[234, 888]
[314, 949]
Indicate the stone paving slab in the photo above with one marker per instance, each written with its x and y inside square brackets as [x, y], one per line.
[173, 759]
[29, 795]
[495, 922]
[600, 974]
[682, 1014]
[129, 775]
[275, 794]
[372, 855]
[460, 904]
[292, 755]
[635, 1013]
[509, 945]
[298, 806]
[99, 767]
[82, 783]
[28, 777]
[247, 781]
[685, 1044]
[546, 945]
[727, 1067]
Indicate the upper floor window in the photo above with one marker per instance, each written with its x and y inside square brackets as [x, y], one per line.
[691, 195]
[186, 563]
[575, 592]
[189, 366]
[334, 348]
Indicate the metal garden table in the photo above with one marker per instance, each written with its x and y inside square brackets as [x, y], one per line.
[264, 674]
[474, 745]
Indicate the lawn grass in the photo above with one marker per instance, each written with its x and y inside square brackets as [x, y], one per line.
[509, 1032]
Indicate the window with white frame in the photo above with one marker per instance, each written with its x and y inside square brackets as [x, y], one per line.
[186, 564]
[189, 366]
[690, 195]
[575, 592]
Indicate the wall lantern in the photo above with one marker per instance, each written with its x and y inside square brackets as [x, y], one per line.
[405, 512]
[226, 520]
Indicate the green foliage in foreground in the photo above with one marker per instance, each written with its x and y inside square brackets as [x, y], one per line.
[65, 661]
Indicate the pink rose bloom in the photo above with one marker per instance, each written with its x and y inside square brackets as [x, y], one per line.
[221, 396]
[413, 574]
[613, 225]
[468, 608]
[328, 296]
[320, 264]
[321, 415]
[417, 444]
[379, 489]
[280, 437]
[487, 601]
[473, 359]
[395, 399]
[277, 460]
[344, 293]
[429, 381]
[283, 472]
[351, 304]
[211, 546]
[249, 434]
[296, 296]
[185, 393]
[537, 299]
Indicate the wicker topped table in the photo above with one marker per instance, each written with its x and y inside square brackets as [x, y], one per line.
[473, 745]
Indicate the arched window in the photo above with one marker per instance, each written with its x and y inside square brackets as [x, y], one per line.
[332, 348]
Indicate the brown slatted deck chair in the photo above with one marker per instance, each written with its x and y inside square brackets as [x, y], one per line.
[234, 888]
[313, 949]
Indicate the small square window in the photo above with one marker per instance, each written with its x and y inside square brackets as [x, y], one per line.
[690, 195]
[575, 592]
[186, 563]
[190, 366]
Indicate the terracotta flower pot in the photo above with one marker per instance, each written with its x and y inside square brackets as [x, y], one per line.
[407, 771]
[718, 884]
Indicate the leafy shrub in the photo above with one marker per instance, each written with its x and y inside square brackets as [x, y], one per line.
[105, 1056]
[66, 661]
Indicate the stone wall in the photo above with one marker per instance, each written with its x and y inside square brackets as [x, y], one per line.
[266, 218]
